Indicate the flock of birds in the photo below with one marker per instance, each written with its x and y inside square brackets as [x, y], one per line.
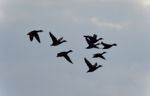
[91, 41]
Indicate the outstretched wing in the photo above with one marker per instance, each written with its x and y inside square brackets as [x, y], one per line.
[88, 63]
[88, 41]
[95, 36]
[68, 58]
[60, 39]
[54, 39]
[31, 37]
[37, 37]
[90, 38]
[86, 36]
[103, 57]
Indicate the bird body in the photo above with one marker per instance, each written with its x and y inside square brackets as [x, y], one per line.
[34, 34]
[99, 55]
[55, 40]
[91, 67]
[91, 44]
[65, 55]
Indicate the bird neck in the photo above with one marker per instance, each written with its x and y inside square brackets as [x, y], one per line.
[69, 51]
[103, 52]
[114, 44]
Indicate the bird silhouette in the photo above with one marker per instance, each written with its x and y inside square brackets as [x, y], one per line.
[91, 44]
[55, 40]
[93, 38]
[34, 34]
[91, 67]
[107, 46]
[65, 55]
[100, 55]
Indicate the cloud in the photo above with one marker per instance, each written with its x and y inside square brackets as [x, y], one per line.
[146, 2]
[99, 23]
[2, 11]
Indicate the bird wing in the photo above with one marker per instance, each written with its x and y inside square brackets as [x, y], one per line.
[90, 38]
[86, 36]
[37, 38]
[88, 63]
[54, 39]
[60, 39]
[103, 57]
[88, 41]
[95, 36]
[31, 37]
[68, 58]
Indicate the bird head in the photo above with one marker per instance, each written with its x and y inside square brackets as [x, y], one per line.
[114, 44]
[99, 66]
[40, 31]
[85, 36]
[70, 51]
[104, 52]
[64, 41]
[101, 39]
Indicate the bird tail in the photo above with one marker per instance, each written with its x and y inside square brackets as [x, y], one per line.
[94, 56]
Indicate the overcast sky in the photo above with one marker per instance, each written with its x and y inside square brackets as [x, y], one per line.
[32, 69]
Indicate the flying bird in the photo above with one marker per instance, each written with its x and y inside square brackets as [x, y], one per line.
[91, 44]
[99, 55]
[65, 55]
[107, 46]
[34, 34]
[91, 67]
[55, 40]
[93, 38]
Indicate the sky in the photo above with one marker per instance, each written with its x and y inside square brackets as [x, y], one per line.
[32, 69]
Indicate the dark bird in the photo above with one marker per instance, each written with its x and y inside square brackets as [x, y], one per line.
[91, 67]
[65, 55]
[55, 40]
[93, 38]
[91, 44]
[34, 34]
[100, 55]
[107, 46]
